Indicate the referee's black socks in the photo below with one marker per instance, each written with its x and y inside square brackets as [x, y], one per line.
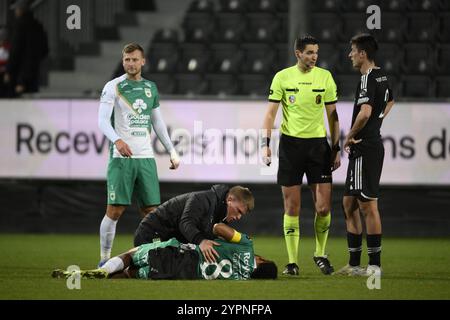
[354, 242]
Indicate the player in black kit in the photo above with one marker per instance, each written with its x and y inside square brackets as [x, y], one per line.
[373, 101]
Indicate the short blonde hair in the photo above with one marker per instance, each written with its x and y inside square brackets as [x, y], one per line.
[244, 195]
[131, 47]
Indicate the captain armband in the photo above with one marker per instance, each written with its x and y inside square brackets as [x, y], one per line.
[236, 237]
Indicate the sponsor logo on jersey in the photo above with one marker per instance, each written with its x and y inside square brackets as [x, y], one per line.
[138, 120]
[139, 105]
[362, 100]
[138, 133]
[381, 79]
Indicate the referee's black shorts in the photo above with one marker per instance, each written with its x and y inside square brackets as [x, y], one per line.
[298, 156]
[364, 170]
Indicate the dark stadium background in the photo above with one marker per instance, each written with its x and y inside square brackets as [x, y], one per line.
[255, 38]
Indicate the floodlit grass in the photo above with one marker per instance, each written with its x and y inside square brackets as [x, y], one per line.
[412, 269]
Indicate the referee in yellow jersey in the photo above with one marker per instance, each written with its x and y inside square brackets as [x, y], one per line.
[304, 90]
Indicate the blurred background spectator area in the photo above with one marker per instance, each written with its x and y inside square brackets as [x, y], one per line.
[227, 48]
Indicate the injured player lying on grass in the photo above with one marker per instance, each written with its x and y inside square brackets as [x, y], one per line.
[234, 260]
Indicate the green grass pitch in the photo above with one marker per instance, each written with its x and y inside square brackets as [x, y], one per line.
[413, 269]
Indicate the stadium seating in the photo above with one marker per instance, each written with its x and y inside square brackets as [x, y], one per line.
[282, 5]
[236, 46]
[166, 35]
[268, 6]
[414, 40]
[204, 6]
[443, 87]
[417, 87]
[283, 50]
[190, 84]
[346, 84]
[357, 5]
[222, 84]
[444, 5]
[418, 59]
[353, 23]
[258, 58]
[396, 86]
[393, 28]
[199, 27]
[444, 27]
[390, 58]
[283, 31]
[256, 85]
[326, 26]
[226, 58]
[328, 57]
[230, 27]
[443, 59]
[262, 27]
[344, 65]
[164, 81]
[162, 57]
[421, 27]
[423, 5]
[325, 5]
[223, 39]
[399, 6]
[233, 6]
[409, 31]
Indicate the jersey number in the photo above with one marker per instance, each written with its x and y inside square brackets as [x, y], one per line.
[217, 270]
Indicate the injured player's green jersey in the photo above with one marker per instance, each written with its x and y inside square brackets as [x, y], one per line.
[236, 261]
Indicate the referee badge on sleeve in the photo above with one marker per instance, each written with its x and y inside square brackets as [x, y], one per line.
[318, 99]
[292, 98]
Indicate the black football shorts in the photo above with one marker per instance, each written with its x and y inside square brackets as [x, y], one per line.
[299, 156]
[364, 171]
